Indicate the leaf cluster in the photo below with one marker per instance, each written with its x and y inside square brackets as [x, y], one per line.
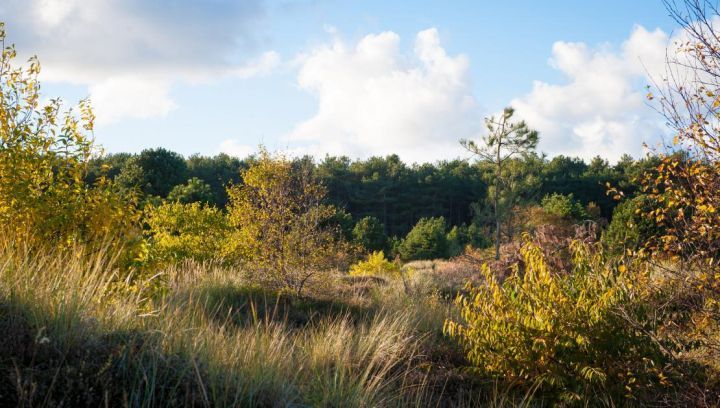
[560, 332]
[180, 231]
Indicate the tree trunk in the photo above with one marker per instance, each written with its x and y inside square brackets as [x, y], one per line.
[497, 236]
[497, 204]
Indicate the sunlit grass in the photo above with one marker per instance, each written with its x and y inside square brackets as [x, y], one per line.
[76, 339]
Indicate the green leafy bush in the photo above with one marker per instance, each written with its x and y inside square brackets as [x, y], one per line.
[628, 229]
[564, 206]
[195, 190]
[461, 236]
[369, 233]
[427, 240]
[457, 240]
[343, 220]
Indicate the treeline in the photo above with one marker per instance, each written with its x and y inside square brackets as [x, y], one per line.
[386, 188]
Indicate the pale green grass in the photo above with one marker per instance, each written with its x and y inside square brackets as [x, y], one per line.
[85, 343]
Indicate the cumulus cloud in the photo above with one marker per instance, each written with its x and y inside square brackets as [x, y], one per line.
[601, 109]
[117, 97]
[237, 149]
[114, 46]
[375, 99]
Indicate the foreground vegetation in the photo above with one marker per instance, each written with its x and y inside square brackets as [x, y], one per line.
[211, 339]
[119, 288]
[74, 335]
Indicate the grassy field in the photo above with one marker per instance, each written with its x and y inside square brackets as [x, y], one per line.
[76, 334]
[72, 338]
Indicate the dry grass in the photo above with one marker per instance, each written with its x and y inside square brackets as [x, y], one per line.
[446, 277]
[72, 339]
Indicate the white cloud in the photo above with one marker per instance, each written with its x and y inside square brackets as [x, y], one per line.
[234, 148]
[53, 12]
[260, 66]
[114, 46]
[117, 97]
[602, 109]
[374, 99]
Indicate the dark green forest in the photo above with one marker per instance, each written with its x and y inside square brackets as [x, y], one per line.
[396, 193]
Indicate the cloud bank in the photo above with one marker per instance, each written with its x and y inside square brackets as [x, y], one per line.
[123, 48]
[374, 96]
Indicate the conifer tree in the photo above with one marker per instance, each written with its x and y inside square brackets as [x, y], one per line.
[504, 140]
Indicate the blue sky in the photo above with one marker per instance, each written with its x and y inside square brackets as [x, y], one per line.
[350, 77]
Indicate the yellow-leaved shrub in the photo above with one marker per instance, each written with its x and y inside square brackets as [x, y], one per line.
[376, 265]
[186, 231]
[562, 332]
[44, 154]
[282, 232]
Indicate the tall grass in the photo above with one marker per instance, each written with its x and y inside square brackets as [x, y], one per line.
[70, 337]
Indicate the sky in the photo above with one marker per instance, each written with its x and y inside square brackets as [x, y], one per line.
[354, 78]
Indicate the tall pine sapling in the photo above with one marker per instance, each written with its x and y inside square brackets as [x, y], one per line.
[504, 140]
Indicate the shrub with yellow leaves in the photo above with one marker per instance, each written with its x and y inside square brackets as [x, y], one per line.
[561, 332]
[44, 152]
[376, 265]
[282, 233]
[684, 188]
[186, 231]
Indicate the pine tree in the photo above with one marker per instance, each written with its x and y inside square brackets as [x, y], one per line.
[504, 140]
